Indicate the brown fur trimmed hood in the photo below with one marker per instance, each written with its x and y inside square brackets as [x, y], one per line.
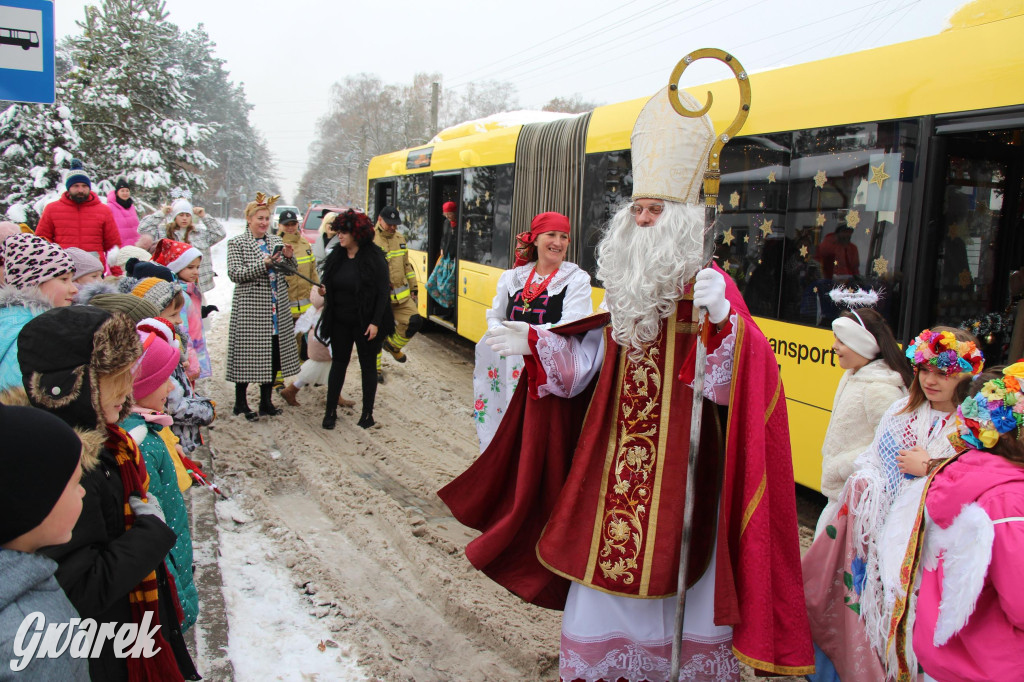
[64, 351]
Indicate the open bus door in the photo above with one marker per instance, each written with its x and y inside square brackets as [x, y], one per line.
[444, 187]
[383, 195]
[973, 232]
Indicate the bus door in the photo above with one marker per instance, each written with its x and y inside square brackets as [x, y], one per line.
[442, 246]
[383, 195]
[974, 233]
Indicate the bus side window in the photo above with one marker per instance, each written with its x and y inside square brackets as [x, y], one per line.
[753, 201]
[607, 184]
[414, 205]
[480, 241]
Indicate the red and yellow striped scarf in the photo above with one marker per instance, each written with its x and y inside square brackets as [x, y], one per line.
[145, 596]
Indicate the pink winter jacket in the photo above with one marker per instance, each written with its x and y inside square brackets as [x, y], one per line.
[127, 220]
[990, 645]
[89, 226]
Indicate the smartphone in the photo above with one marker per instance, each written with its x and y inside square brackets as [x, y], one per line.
[277, 249]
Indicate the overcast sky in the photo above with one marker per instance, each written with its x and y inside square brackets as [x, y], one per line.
[288, 54]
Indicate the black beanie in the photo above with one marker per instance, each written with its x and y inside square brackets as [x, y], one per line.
[141, 269]
[38, 458]
[122, 183]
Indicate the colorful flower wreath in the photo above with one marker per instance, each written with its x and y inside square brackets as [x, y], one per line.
[998, 408]
[943, 351]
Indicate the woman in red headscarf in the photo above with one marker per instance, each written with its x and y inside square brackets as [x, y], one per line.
[542, 289]
[441, 283]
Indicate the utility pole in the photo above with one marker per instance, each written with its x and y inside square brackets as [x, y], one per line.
[435, 92]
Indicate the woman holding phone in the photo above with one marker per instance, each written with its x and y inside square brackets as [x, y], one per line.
[260, 315]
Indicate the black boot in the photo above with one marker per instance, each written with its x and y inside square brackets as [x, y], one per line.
[242, 405]
[266, 405]
[330, 418]
[366, 421]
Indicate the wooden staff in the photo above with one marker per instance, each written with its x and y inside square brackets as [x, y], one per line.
[712, 178]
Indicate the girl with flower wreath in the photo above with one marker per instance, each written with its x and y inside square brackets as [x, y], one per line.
[852, 571]
[969, 622]
[542, 290]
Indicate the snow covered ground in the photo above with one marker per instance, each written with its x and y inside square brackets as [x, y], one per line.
[273, 633]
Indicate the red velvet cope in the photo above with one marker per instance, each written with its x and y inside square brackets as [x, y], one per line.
[510, 492]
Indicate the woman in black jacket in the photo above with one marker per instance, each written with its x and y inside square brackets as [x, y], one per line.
[355, 286]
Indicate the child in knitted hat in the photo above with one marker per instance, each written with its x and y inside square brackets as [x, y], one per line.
[118, 256]
[31, 261]
[183, 222]
[88, 267]
[40, 501]
[149, 426]
[77, 364]
[38, 278]
[184, 261]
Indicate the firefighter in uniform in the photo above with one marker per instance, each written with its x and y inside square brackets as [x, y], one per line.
[298, 288]
[404, 288]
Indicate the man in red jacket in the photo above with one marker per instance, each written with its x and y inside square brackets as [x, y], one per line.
[79, 218]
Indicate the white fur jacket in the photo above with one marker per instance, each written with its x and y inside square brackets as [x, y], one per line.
[861, 400]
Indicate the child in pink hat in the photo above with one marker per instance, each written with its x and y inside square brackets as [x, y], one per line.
[149, 426]
[184, 260]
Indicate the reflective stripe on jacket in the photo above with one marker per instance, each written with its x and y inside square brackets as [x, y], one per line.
[400, 272]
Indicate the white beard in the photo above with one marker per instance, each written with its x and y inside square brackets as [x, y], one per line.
[644, 270]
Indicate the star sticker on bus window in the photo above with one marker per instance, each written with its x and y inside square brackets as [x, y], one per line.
[766, 228]
[819, 220]
[771, 177]
[721, 209]
[853, 218]
[803, 251]
[734, 199]
[760, 204]
[746, 239]
[878, 175]
[880, 266]
[820, 179]
[728, 237]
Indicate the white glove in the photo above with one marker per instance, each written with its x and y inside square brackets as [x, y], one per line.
[709, 293]
[511, 338]
[151, 507]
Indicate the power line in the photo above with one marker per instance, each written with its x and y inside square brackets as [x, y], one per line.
[583, 55]
[735, 49]
[542, 43]
[615, 26]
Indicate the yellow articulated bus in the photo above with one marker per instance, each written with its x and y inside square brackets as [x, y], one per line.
[899, 169]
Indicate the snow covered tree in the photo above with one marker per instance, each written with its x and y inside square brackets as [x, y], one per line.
[125, 93]
[239, 150]
[37, 142]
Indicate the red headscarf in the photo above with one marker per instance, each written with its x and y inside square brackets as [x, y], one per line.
[550, 221]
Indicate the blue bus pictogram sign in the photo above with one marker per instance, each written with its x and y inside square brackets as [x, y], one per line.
[26, 51]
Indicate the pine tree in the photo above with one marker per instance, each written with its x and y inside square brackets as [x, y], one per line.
[37, 143]
[239, 150]
[134, 117]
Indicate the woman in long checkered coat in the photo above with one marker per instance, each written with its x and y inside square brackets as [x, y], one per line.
[260, 336]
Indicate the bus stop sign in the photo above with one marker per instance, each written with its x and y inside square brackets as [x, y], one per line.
[26, 51]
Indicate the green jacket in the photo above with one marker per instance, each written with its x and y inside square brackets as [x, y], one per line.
[163, 483]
